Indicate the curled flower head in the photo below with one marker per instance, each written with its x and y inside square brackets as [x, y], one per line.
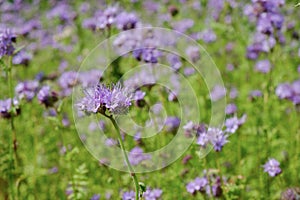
[7, 38]
[100, 99]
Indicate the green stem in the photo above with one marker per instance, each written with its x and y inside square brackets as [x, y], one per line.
[12, 143]
[131, 170]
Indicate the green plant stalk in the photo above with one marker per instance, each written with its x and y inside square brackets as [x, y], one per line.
[133, 175]
[12, 143]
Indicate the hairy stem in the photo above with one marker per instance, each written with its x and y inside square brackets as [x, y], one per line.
[12, 143]
[133, 175]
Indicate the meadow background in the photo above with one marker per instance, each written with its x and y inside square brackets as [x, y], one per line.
[255, 45]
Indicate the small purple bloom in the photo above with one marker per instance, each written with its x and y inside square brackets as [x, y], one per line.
[6, 108]
[126, 21]
[46, 96]
[284, 91]
[188, 71]
[27, 89]
[128, 195]
[198, 184]
[208, 36]
[137, 155]
[217, 138]
[255, 93]
[139, 95]
[152, 194]
[230, 109]
[272, 167]
[193, 53]
[263, 66]
[95, 197]
[172, 124]
[217, 93]
[22, 58]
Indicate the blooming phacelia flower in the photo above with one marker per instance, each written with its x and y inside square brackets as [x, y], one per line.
[101, 98]
[272, 167]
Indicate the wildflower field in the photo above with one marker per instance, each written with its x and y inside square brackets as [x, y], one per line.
[149, 100]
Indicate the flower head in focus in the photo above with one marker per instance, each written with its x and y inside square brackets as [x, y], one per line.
[99, 99]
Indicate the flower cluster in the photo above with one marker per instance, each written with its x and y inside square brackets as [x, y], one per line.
[100, 98]
[212, 135]
[7, 38]
[209, 184]
[289, 91]
[149, 194]
[109, 17]
[269, 22]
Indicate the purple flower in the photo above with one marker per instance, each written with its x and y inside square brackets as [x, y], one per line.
[126, 21]
[230, 109]
[7, 38]
[128, 195]
[148, 55]
[22, 58]
[208, 36]
[217, 138]
[284, 91]
[139, 95]
[66, 81]
[203, 139]
[152, 194]
[137, 155]
[263, 66]
[174, 61]
[107, 17]
[27, 89]
[95, 197]
[217, 93]
[193, 53]
[291, 194]
[100, 98]
[255, 93]
[6, 108]
[272, 167]
[172, 124]
[232, 124]
[46, 96]
[188, 71]
[183, 25]
[233, 93]
[198, 184]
